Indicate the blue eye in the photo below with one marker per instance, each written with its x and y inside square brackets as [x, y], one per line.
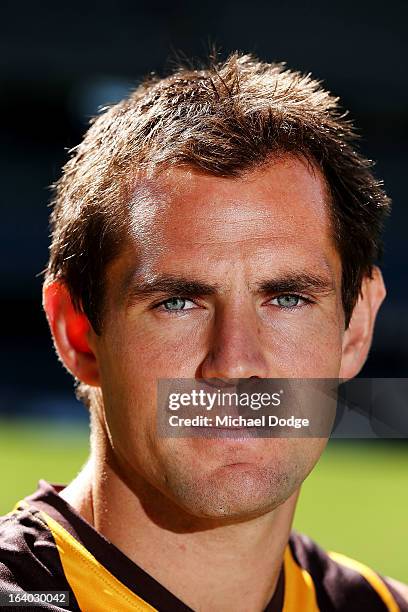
[288, 301]
[177, 304]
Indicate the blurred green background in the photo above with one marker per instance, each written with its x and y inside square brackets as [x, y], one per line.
[354, 502]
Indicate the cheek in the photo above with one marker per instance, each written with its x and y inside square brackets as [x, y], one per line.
[161, 348]
[303, 345]
[301, 354]
[126, 380]
[129, 389]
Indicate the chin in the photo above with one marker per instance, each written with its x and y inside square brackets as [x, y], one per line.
[234, 492]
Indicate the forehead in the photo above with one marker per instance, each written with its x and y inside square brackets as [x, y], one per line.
[280, 210]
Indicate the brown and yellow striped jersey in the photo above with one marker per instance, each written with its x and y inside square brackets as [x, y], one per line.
[45, 545]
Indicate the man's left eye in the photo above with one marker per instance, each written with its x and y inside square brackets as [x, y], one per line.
[177, 304]
[288, 301]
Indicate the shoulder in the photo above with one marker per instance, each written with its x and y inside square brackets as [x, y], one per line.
[399, 587]
[341, 583]
[28, 556]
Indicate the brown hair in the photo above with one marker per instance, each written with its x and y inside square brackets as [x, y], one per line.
[224, 120]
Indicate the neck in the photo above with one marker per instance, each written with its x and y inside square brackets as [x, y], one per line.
[208, 564]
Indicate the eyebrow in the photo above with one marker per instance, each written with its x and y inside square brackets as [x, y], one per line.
[294, 282]
[170, 284]
[175, 285]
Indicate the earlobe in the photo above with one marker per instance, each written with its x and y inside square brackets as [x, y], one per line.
[358, 336]
[70, 329]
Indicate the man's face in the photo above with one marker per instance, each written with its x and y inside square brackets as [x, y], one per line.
[223, 278]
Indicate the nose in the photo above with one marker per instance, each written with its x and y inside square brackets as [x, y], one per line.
[235, 346]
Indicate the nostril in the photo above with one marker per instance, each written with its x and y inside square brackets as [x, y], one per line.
[219, 382]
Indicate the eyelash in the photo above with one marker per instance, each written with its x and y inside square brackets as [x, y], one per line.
[305, 302]
[178, 297]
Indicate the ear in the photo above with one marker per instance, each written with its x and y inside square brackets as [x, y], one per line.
[71, 332]
[358, 336]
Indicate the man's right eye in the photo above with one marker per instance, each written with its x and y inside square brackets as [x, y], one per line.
[176, 304]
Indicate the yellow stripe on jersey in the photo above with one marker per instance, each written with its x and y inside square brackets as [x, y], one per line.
[95, 588]
[300, 592]
[375, 581]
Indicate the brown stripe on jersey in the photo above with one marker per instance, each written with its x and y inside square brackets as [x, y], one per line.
[29, 559]
[338, 588]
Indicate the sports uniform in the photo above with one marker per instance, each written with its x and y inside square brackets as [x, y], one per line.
[45, 545]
